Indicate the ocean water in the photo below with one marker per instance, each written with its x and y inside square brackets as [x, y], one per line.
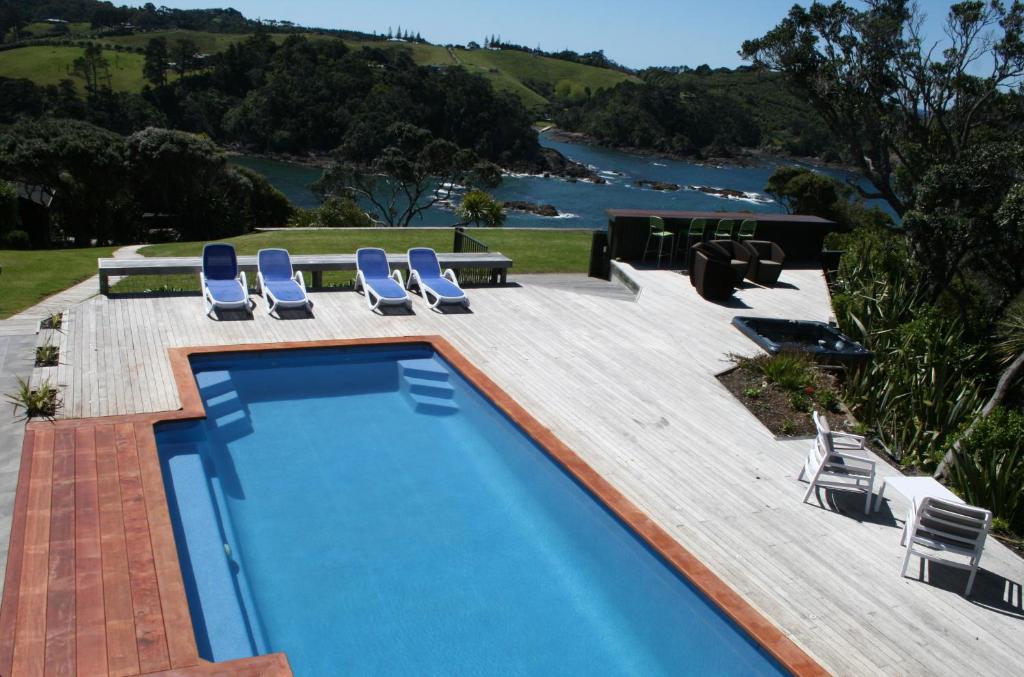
[367, 511]
[582, 204]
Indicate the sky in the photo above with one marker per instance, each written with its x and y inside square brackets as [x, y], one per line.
[635, 34]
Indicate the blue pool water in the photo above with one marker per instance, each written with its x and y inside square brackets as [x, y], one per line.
[367, 511]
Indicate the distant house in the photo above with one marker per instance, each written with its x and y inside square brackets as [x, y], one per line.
[56, 21]
[34, 211]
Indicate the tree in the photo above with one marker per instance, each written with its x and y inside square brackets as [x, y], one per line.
[8, 207]
[13, 19]
[92, 67]
[186, 176]
[184, 54]
[899, 104]
[81, 166]
[480, 208]
[155, 67]
[964, 230]
[409, 176]
[802, 191]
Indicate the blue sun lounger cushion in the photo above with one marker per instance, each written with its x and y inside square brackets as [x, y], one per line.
[380, 285]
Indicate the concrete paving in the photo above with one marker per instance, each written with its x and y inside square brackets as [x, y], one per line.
[17, 354]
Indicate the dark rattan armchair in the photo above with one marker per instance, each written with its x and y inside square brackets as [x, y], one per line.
[712, 273]
[766, 266]
[740, 257]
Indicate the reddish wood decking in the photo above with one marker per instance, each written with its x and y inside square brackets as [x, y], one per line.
[93, 584]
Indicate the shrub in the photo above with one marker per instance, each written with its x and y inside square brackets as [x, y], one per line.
[54, 321]
[926, 377]
[480, 208]
[989, 470]
[799, 401]
[47, 355]
[335, 212]
[37, 402]
[17, 239]
[789, 371]
[827, 399]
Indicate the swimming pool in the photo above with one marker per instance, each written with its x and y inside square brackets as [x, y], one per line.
[368, 511]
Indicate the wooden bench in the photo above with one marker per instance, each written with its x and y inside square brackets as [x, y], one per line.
[496, 262]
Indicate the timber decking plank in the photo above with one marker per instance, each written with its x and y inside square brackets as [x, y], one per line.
[149, 627]
[12, 578]
[122, 651]
[181, 642]
[60, 588]
[91, 648]
[30, 634]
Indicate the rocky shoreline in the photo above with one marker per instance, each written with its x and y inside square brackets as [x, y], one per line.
[550, 163]
[746, 157]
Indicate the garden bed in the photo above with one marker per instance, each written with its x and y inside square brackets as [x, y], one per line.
[783, 390]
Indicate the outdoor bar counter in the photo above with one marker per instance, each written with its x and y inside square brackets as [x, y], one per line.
[801, 237]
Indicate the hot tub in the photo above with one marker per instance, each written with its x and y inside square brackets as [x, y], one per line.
[822, 341]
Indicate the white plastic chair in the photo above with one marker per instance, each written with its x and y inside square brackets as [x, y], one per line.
[829, 467]
[840, 440]
[946, 526]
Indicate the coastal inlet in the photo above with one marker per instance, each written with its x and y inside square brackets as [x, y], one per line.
[630, 182]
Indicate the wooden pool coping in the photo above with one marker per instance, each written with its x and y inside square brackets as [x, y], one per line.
[93, 583]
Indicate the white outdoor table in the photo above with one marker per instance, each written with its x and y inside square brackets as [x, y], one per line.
[915, 489]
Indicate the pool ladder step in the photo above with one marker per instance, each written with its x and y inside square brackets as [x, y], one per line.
[425, 381]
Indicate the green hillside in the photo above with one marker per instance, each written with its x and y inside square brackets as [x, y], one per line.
[50, 65]
[534, 79]
[207, 43]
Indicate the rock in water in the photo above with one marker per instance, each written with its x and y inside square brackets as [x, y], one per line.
[656, 185]
[530, 207]
[724, 192]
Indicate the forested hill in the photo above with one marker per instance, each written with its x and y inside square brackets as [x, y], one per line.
[286, 88]
[702, 113]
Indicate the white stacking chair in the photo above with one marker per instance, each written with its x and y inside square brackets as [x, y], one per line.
[945, 526]
[838, 461]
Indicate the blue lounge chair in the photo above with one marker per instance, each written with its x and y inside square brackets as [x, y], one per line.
[281, 286]
[379, 284]
[224, 286]
[425, 273]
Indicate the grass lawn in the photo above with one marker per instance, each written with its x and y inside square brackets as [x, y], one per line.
[30, 276]
[533, 251]
[50, 65]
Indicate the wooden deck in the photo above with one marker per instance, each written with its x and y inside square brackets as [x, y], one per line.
[628, 385]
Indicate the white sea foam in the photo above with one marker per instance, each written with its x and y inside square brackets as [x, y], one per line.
[658, 164]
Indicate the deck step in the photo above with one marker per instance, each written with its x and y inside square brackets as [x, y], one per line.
[433, 405]
[430, 388]
[425, 368]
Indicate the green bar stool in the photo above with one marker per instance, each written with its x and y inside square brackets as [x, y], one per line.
[725, 229]
[694, 234]
[656, 239]
[748, 228]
